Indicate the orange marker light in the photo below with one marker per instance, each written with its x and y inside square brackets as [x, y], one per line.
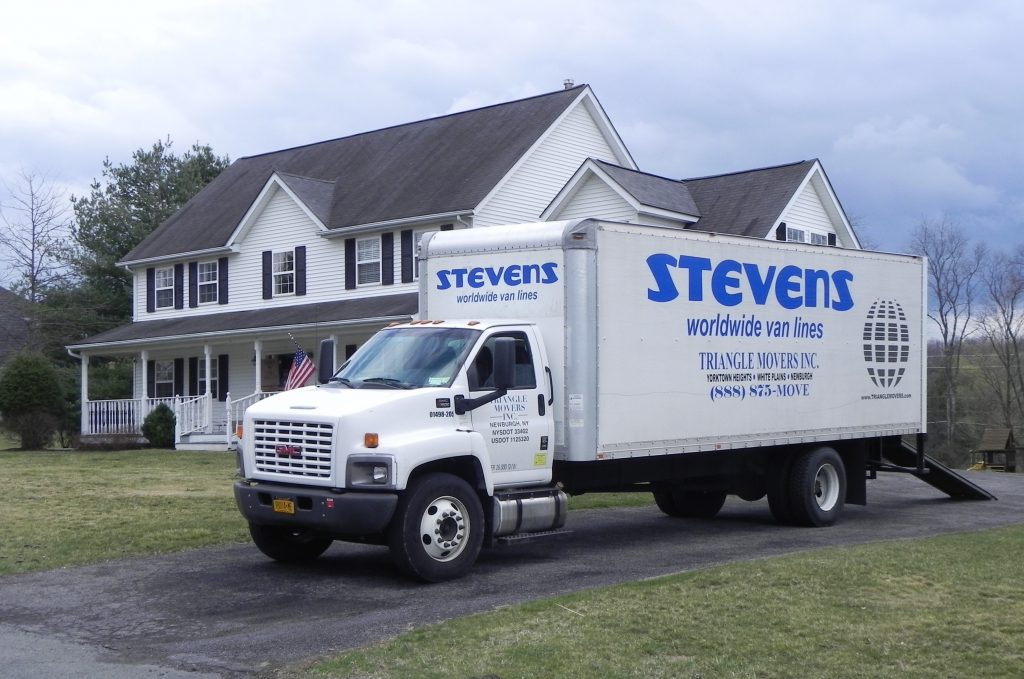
[371, 440]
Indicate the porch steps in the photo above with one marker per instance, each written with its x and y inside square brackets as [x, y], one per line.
[202, 442]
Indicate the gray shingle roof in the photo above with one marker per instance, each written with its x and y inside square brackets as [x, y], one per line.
[433, 166]
[652, 190]
[746, 203]
[392, 306]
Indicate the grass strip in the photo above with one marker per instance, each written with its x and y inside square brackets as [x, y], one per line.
[941, 607]
[69, 508]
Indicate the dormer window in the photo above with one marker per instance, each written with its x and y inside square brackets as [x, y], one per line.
[284, 273]
[795, 235]
[164, 287]
[368, 261]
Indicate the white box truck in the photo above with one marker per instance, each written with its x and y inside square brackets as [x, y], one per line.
[583, 356]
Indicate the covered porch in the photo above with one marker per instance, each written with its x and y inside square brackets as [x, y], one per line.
[209, 368]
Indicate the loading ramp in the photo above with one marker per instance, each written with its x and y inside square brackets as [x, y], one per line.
[897, 454]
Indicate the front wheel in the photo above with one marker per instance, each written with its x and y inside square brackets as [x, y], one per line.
[289, 544]
[438, 528]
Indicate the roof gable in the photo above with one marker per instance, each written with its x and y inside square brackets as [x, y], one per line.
[646, 193]
[433, 166]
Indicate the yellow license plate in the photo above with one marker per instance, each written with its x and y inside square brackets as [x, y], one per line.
[284, 506]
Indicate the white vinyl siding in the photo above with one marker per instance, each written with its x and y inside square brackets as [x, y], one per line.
[596, 199]
[807, 214]
[534, 184]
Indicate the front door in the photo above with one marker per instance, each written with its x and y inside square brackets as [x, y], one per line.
[517, 426]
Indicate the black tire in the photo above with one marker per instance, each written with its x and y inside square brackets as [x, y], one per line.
[289, 544]
[778, 491]
[438, 528]
[817, 487]
[690, 504]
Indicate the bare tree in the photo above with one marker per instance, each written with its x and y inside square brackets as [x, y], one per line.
[1003, 326]
[953, 266]
[34, 223]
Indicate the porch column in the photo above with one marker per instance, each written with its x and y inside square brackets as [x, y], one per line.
[257, 349]
[144, 357]
[207, 355]
[85, 395]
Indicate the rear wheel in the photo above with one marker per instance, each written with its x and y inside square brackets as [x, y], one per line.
[817, 487]
[693, 504]
[289, 544]
[438, 528]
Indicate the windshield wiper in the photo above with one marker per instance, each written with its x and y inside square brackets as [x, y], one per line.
[387, 382]
[344, 380]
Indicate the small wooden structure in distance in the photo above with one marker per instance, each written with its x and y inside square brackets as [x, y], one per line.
[997, 450]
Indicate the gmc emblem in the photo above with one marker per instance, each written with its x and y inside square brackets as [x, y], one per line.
[288, 451]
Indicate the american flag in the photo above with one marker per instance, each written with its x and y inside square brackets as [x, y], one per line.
[301, 370]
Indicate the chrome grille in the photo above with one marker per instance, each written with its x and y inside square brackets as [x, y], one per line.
[294, 448]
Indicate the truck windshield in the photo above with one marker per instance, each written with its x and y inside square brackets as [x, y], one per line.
[408, 358]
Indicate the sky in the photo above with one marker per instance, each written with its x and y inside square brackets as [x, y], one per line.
[915, 109]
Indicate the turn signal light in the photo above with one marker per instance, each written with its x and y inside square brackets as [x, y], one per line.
[371, 440]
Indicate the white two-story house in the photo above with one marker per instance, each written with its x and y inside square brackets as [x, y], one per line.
[319, 241]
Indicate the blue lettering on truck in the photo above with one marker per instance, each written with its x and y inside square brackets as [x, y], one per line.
[512, 275]
[732, 282]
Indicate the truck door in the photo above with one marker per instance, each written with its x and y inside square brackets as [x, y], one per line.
[516, 427]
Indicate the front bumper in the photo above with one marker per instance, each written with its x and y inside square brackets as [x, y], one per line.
[340, 514]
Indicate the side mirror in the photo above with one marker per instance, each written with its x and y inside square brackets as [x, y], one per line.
[325, 369]
[504, 363]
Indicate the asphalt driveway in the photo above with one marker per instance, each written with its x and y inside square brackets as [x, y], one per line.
[230, 612]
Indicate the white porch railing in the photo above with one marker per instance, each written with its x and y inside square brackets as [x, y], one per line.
[120, 416]
[125, 416]
[191, 414]
[236, 412]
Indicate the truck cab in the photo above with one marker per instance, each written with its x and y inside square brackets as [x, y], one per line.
[416, 441]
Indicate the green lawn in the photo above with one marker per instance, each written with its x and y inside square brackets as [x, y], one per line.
[945, 607]
[65, 508]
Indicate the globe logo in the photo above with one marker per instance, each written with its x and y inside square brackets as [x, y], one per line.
[886, 343]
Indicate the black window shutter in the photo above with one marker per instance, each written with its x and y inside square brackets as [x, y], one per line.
[300, 270]
[832, 239]
[222, 377]
[193, 285]
[350, 349]
[447, 227]
[268, 274]
[780, 232]
[179, 286]
[222, 280]
[387, 258]
[407, 245]
[193, 376]
[151, 290]
[179, 376]
[350, 263]
[150, 377]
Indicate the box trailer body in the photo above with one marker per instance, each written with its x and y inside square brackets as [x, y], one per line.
[581, 356]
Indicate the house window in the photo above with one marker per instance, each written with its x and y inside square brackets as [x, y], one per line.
[214, 369]
[795, 235]
[163, 378]
[417, 239]
[818, 238]
[368, 261]
[164, 286]
[284, 273]
[207, 282]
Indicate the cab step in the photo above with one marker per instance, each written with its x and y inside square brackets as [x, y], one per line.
[520, 537]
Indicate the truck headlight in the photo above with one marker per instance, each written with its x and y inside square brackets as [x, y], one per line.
[370, 471]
